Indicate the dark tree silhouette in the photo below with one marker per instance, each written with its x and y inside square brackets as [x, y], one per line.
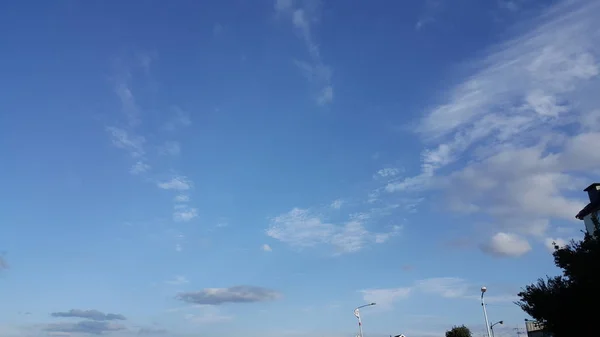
[459, 331]
[567, 305]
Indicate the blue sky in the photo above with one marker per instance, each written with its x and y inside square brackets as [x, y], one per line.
[194, 168]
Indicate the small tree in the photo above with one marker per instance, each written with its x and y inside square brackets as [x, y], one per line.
[459, 331]
[566, 304]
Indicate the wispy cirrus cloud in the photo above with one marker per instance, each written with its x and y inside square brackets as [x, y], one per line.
[433, 12]
[179, 118]
[127, 136]
[129, 106]
[130, 137]
[171, 148]
[432, 8]
[123, 139]
[446, 287]
[337, 204]
[182, 198]
[184, 212]
[139, 167]
[304, 14]
[509, 141]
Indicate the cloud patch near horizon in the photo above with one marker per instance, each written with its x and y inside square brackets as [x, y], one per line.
[86, 327]
[89, 314]
[446, 287]
[237, 294]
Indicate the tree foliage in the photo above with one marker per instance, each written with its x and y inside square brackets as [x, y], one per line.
[566, 304]
[459, 331]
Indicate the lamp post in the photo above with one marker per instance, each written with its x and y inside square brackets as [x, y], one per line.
[487, 322]
[492, 326]
[357, 314]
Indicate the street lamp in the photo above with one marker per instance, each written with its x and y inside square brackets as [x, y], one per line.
[492, 326]
[357, 314]
[487, 322]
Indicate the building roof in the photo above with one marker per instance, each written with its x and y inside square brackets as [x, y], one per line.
[589, 208]
[593, 192]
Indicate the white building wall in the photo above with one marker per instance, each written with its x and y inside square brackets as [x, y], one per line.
[589, 224]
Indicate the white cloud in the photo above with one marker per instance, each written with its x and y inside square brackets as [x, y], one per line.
[179, 183]
[387, 172]
[337, 204]
[139, 167]
[184, 213]
[550, 243]
[508, 142]
[171, 148]
[266, 248]
[182, 198]
[178, 280]
[301, 228]
[507, 245]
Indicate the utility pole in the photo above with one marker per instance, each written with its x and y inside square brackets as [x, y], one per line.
[357, 314]
[487, 322]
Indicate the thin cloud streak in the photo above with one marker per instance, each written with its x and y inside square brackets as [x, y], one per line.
[303, 15]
